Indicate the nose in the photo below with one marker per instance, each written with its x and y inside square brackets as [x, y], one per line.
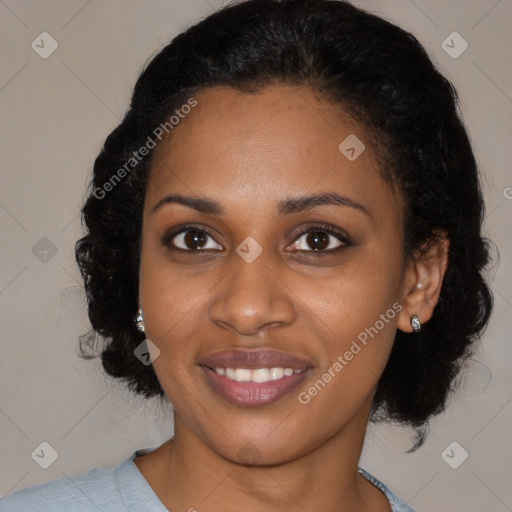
[252, 298]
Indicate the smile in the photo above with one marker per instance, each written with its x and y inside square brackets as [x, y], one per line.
[251, 378]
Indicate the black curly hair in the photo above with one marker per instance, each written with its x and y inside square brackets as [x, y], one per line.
[381, 76]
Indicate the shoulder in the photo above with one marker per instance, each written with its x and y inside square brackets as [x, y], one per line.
[120, 489]
[97, 490]
[397, 505]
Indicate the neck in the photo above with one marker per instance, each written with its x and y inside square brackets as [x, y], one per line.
[186, 474]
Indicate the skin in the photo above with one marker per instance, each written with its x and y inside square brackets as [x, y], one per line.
[248, 152]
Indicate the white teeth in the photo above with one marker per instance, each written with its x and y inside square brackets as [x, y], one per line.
[261, 375]
[243, 375]
[276, 373]
[256, 375]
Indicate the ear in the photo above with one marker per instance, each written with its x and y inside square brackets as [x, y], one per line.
[423, 281]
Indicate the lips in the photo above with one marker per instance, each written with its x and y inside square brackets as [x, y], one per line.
[220, 369]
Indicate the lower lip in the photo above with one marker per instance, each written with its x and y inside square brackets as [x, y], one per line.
[252, 394]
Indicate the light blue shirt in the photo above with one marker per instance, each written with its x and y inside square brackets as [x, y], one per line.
[121, 489]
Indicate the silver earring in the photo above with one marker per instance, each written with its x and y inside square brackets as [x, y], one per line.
[140, 321]
[415, 322]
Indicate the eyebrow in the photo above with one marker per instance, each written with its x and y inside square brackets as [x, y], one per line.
[286, 206]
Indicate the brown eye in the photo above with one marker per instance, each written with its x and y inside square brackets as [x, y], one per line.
[191, 239]
[317, 240]
[194, 239]
[320, 239]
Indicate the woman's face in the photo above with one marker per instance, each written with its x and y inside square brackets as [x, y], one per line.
[252, 284]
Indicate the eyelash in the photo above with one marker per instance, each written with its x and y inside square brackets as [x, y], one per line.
[323, 228]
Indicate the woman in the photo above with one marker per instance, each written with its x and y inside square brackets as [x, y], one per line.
[283, 240]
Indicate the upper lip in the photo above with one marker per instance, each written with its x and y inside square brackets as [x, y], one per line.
[251, 359]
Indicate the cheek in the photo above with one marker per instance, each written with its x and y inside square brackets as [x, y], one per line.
[173, 311]
[360, 318]
[172, 295]
[356, 313]
[357, 293]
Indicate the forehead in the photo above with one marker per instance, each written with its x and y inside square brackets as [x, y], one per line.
[281, 141]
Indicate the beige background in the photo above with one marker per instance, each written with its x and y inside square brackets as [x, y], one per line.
[56, 113]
